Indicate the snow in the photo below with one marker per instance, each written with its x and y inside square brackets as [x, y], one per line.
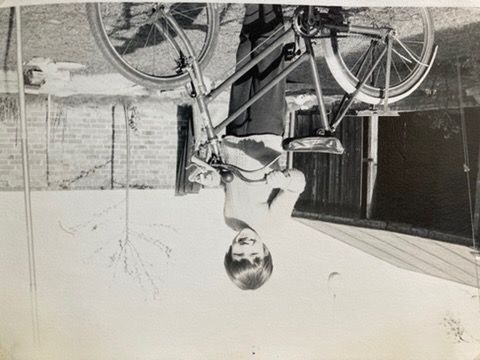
[325, 300]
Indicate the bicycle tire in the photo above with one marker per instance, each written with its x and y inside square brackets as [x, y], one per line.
[141, 64]
[341, 61]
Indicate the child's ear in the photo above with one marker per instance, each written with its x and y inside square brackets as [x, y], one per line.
[266, 251]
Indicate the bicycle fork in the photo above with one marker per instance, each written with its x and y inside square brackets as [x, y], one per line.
[193, 68]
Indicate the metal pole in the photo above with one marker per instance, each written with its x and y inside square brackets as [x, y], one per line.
[291, 133]
[318, 88]
[26, 181]
[127, 174]
[49, 107]
[476, 215]
[466, 165]
[372, 164]
[387, 73]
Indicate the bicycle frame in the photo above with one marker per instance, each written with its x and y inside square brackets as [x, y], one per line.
[204, 97]
[297, 61]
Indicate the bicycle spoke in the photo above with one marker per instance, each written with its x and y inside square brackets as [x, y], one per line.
[185, 16]
[139, 39]
[401, 68]
[154, 53]
[201, 27]
[376, 73]
[404, 60]
[418, 42]
[402, 56]
[361, 58]
[128, 46]
[187, 10]
[384, 78]
[148, 36]
[410, 52]
[396, 69]
[376, 76]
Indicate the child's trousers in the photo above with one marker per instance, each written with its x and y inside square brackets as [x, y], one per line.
[266, 116]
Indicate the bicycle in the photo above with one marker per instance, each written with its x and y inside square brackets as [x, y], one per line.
[377, 55]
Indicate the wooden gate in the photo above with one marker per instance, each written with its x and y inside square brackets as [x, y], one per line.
[334, 182]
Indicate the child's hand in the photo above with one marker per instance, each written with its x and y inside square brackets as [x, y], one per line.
[278, 179]
[209, 179]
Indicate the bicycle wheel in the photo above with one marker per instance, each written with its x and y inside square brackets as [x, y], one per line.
[412, 49]
[144, 48]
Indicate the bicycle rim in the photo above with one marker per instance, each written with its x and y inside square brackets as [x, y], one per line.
[144, 48]
[412, 49]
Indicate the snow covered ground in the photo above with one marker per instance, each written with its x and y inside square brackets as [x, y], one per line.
[162, 292]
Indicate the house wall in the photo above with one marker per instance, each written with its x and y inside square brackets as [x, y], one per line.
[82, 144]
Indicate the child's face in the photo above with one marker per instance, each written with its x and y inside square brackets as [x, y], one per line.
[247, 245]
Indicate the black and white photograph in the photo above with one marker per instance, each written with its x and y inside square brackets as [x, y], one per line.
[289, 180]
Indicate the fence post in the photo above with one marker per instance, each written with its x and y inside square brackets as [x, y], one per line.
[372, 161]
[291, 116]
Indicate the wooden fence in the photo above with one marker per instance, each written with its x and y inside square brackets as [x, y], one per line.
[334, 182]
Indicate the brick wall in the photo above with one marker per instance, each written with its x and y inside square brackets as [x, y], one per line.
[80, 143]
[83, 144]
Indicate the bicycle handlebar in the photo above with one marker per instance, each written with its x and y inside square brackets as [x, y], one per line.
[228, 172]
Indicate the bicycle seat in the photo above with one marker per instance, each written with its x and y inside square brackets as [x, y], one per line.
[323, 144]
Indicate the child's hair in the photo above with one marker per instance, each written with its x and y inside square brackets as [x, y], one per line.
[247, 275]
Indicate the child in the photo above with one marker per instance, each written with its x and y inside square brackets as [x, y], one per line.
[253, 142]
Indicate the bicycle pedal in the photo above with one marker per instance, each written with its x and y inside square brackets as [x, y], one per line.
[322, 144]
[290, 51]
